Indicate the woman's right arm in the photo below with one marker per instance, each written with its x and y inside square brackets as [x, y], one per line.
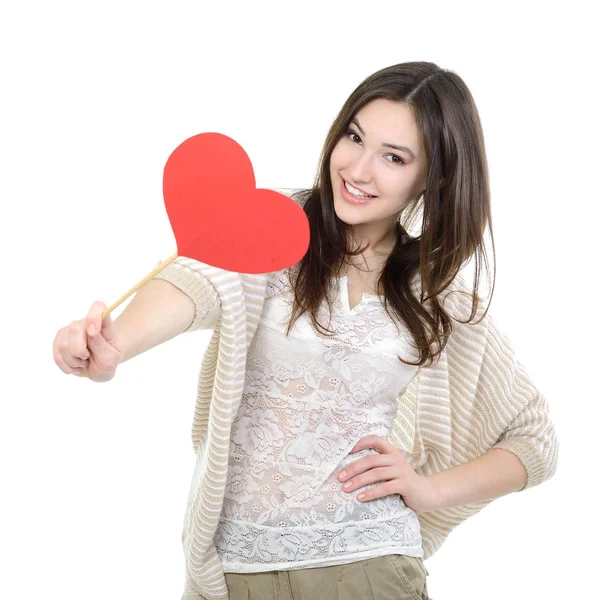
[93, 347]
[157, 313]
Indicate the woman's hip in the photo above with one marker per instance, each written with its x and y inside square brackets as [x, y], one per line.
[390, 577]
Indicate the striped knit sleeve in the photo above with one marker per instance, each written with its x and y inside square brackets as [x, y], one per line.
[185, 274]
[530, 433]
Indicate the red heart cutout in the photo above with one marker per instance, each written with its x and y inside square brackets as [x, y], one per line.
[220, 218]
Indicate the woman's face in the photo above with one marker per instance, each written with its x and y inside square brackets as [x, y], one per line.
[364, 159]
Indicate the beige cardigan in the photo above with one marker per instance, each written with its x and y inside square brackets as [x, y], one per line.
[476, 397]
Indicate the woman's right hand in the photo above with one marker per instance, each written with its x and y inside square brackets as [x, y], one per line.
[89, 347]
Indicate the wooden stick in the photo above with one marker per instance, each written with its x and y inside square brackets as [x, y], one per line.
[137, 286]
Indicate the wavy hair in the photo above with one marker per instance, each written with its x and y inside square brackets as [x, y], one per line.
[454, 210]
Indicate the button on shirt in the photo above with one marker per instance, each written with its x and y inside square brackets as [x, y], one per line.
[307, 399]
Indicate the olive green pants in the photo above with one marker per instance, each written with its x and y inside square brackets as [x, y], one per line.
[391, 577]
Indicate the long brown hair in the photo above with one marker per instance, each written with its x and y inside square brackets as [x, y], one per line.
[455, 208]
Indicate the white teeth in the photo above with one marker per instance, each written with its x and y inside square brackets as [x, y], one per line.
[355, 192]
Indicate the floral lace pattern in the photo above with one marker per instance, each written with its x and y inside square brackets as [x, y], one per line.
[307, 400]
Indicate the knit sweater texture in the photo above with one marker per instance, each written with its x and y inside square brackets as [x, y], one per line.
[476, 397]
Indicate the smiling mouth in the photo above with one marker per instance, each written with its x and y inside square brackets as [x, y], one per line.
[365, 196]
[352, 198]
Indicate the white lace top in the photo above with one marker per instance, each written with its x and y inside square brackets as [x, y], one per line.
[307, 400]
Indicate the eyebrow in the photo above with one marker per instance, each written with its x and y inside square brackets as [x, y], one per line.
[401, 148]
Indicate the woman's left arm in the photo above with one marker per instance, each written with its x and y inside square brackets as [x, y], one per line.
[510, 438]
[497, 473]
[525, 454]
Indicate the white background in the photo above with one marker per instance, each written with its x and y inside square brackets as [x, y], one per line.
[94, 98]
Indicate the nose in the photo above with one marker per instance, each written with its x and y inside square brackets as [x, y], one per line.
[361, 169]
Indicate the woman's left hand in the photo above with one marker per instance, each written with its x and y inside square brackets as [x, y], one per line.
[390, 466]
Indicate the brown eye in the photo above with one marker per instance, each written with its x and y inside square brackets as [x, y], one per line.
[397, 162]
[351, 133]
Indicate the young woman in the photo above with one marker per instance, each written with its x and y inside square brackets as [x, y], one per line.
[342, 401]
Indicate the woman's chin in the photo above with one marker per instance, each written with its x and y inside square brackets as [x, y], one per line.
[345, 213]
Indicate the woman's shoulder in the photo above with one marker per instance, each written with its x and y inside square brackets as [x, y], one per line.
[278, 282]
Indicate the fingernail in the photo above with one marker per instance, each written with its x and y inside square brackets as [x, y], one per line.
[342, 475]
[91, 330]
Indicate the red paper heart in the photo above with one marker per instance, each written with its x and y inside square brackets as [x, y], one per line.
[220, 218]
